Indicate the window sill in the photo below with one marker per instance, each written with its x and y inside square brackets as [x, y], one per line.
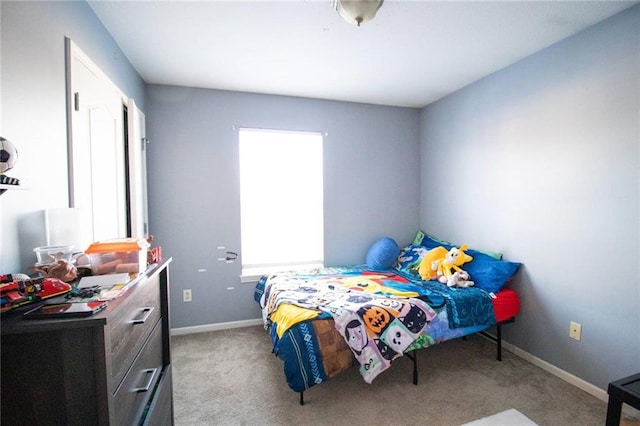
[250, 279]
[253, 275]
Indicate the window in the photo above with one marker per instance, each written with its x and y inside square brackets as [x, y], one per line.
[281, 196]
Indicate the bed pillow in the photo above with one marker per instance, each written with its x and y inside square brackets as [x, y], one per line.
[429, 241]
[383, 253]
[487, 269]
[489, 273]
[409, 259]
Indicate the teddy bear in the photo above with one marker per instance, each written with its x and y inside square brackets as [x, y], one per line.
[459, 279]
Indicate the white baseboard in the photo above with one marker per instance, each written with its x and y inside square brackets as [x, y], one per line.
[567, 377]
[589, 388]
[215, 327]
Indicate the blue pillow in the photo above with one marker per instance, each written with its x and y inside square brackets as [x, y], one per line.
[383, 253]
[489, 273]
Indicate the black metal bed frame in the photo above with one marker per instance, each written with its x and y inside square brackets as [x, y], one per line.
[497, 339]
[413, 355]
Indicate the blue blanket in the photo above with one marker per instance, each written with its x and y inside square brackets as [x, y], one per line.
[466, 307]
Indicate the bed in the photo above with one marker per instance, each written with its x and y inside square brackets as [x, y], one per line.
[325, 321]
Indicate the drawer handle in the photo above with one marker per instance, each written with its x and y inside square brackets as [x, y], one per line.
[151, 372]
[145, 316]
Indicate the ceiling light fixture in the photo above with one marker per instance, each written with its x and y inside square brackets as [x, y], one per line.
[357, 11]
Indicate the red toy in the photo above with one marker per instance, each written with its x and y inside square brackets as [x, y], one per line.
[18, 293]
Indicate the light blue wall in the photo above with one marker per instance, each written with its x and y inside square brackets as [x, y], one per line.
[371, 185]
[33, 113]
[545, 153]
[542, 161]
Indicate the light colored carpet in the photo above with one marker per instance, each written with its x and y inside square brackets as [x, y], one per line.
[510, 417]
[231, 378]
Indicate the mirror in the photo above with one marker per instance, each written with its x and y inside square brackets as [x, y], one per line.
[106, 156]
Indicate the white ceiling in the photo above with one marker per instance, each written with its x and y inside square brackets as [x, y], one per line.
[411, 54]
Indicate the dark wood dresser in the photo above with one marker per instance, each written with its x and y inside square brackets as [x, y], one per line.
[112, 368]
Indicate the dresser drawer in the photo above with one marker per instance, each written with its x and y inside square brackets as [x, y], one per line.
[160, 411]
[130, 327]
[133, 395]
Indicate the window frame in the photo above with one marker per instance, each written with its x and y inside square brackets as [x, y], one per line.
[252, 272]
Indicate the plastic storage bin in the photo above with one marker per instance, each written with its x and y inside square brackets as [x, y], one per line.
[118, 255]
[47, 255]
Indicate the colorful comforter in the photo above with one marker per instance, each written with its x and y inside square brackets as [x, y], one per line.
[379, 315]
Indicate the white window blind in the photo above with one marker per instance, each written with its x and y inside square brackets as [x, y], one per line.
[281, 196]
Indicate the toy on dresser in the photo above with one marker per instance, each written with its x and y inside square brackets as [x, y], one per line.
[16, 291]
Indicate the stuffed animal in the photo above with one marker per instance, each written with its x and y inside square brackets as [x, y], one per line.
[459, 279]
[430, 263]
[452, 261]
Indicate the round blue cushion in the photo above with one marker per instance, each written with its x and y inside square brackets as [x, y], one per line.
[383, 253]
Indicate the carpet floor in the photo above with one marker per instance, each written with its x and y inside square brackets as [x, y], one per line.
[231, 377]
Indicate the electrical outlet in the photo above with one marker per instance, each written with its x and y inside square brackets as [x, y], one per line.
[186, 295]
[575, 330]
